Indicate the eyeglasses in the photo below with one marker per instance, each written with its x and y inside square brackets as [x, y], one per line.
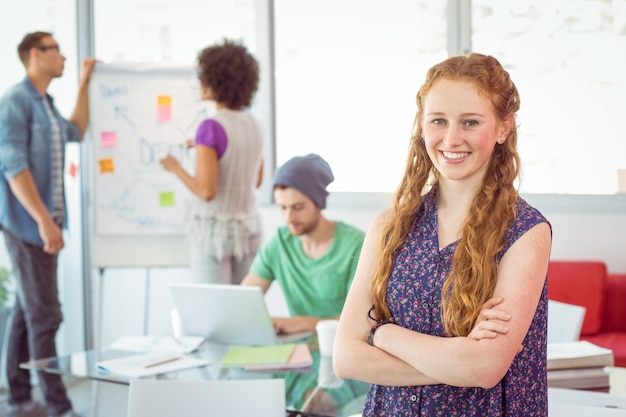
[44, 48]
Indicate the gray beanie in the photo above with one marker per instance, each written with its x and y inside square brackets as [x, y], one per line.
[309, 174]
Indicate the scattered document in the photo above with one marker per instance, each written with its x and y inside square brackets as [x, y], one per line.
[258, 355]
[152, 363]
[184, 344]
[300, 358]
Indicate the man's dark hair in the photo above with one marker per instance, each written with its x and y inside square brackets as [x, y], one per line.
[31, 40]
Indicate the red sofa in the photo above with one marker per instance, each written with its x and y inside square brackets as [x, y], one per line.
[588, 284]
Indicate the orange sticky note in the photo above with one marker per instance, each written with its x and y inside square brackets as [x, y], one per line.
[166, 199]
[106, 166]
[108, 140]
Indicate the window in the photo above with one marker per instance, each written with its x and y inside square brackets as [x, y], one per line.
[347, 73]
[565, 60]
[169, 31]
[57, 17]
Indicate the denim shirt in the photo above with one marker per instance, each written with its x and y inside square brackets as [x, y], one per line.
[25, 143]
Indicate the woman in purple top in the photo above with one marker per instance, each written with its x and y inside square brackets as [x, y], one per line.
[225, 231]
[447, 314]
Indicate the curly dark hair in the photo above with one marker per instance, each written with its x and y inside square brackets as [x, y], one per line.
[231, 73]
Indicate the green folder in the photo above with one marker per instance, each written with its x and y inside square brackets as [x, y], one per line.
[258, 355]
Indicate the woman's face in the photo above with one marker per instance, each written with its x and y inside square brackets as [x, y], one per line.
[460, 130]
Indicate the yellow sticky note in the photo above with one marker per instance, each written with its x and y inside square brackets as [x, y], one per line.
[166, 199]
[106, 166]
[164, 100]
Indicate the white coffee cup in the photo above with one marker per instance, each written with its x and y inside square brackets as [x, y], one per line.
[326, 330]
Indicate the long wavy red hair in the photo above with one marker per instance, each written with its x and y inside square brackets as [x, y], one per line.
[474, 266]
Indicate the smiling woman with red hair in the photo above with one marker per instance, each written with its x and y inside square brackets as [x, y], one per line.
[452, 279]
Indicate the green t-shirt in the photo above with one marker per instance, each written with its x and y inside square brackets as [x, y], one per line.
[312, 287]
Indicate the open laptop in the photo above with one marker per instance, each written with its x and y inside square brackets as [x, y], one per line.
[228, 314]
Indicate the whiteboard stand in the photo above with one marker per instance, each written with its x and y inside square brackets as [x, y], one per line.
[99, 308]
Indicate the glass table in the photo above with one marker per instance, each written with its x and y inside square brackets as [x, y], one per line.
[314, 391]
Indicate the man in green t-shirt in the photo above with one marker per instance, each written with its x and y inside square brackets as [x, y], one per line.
[312, 258]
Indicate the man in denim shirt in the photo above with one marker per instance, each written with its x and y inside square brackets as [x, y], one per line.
[32, 213]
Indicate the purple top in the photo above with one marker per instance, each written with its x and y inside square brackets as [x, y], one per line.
[414, 297]
[210, 133]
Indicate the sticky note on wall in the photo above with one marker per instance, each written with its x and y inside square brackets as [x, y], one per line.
[164, 108]
[166, 199]
[72, 170]
[108, 140]
[106, 166]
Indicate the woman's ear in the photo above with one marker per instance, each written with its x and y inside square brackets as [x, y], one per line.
[506, 126]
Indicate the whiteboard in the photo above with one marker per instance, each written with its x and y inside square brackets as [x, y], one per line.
[138, 114]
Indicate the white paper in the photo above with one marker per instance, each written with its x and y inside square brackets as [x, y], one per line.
[149, 364]
[595, 403]
[578, 349]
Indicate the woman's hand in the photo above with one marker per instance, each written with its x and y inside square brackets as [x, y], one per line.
[490, 321]
[169, 163]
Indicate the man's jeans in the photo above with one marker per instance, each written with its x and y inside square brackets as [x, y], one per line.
[36, 319]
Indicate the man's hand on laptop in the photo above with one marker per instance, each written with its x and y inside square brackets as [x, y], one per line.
[287, 325]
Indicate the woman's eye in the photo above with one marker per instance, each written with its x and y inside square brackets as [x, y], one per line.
[438, 121]
[471, 123]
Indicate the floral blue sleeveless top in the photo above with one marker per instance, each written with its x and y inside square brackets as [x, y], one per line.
[414, 297]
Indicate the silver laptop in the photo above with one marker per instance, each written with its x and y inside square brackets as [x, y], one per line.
[228, 314]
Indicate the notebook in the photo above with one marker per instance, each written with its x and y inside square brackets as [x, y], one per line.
[228, 314]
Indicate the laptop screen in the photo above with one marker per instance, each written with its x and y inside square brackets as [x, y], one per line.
[229, 314]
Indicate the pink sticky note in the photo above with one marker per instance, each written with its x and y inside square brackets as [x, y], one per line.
[164, 113]
[72, 170]
[108, 140]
